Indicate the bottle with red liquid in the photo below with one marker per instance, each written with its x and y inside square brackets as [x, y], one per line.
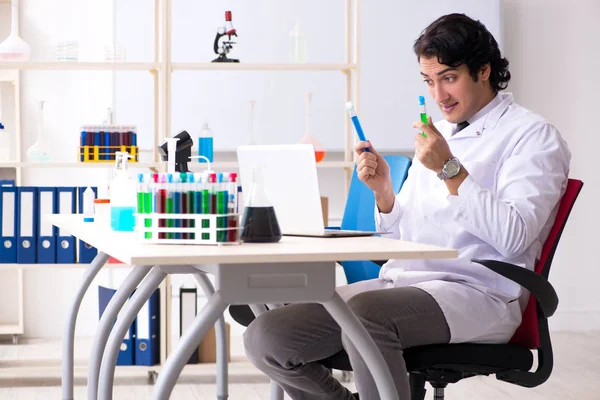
[308, 138]
[259, 223]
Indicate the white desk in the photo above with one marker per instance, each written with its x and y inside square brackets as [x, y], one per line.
[293, 270]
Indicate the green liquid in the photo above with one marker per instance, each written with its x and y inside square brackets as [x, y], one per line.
[170, 222]
[424, 120]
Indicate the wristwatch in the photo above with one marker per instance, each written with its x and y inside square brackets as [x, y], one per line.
[450, 169]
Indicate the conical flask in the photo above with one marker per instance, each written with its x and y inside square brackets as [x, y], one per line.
[308, 138]
[259, 223]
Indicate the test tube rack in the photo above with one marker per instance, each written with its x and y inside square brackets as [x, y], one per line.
[105, 154]
[100, 143]
[208, 229]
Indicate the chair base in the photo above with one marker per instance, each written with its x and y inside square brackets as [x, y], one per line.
[438, 393]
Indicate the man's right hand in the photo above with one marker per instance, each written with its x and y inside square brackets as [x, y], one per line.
[374, 171]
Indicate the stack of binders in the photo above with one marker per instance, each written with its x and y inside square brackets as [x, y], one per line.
[141, 345]
[26, 238]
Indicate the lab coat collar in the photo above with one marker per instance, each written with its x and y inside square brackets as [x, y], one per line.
[486, 119]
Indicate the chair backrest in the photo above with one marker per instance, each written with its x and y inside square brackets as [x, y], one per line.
[528, 334]
[360, 211]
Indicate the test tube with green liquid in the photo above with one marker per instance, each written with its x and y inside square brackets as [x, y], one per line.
[144, 202]
[424, 118]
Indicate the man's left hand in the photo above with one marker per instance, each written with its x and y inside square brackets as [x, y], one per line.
[433, 151]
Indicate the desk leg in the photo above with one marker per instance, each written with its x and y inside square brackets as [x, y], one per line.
[221, 335]
[359, 336]
[205, 319]
[130, 311]
[69, 332]
[276, 390]
[106, 323]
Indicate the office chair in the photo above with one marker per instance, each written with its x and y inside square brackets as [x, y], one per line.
[358, 215]
[360, 211]
[449, 363]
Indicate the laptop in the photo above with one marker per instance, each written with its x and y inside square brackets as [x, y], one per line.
[292, 187]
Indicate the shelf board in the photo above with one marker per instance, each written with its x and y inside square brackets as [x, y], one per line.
[234, 164]
[78, 66]
[11, 329]
[53, 266]
[193, 166]
[51, 164]
[262, 67]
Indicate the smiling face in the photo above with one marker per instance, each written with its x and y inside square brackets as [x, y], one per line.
[454, 90]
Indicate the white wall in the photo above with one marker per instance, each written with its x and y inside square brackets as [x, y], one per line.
[553, 49]
[553, 64]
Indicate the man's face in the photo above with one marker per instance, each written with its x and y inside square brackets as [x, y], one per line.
[454, 90]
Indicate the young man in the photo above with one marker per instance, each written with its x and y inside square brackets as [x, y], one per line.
[486, 181]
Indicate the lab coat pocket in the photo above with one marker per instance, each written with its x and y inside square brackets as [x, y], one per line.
[483, 172]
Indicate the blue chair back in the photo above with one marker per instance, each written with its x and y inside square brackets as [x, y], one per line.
[359, 214]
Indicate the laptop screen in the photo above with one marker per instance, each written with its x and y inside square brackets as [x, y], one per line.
[291, 183]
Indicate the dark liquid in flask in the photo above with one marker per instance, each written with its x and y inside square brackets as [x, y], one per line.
[260, 225]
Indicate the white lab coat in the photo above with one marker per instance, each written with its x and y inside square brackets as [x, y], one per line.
[518, 166]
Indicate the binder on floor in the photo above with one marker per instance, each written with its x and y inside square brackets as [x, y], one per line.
[86, 252]
[27, 224]
[127, 350]
[188, 308]
[147, 343]
[8, 224]
[65, 243]
[46, 240]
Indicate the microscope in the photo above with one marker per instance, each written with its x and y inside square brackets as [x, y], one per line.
[223, 47]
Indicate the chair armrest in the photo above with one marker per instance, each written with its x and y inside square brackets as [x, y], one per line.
[537, 285]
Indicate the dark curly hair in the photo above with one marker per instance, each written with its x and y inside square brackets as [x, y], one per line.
[456, 39]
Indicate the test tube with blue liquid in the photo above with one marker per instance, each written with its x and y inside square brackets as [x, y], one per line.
[356, 123]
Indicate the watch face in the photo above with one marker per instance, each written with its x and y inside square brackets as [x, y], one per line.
[452, 168]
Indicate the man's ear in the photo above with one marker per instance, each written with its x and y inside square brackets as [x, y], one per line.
[485, 72]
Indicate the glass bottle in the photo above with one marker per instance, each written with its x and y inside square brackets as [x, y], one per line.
[205, 143]
[38, 152]
[259, 223]
[308, 138]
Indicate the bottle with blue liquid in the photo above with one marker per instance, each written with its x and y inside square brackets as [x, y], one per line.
[123, 195]
[205, 143]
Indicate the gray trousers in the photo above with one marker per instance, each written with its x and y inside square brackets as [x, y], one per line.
[286, 343]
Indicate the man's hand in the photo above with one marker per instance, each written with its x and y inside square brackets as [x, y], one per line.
[433, 151]
[374, 172]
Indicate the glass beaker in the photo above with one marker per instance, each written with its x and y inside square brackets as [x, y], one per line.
[38, 151]
[308, 138]
[298, 53]
[259, 223]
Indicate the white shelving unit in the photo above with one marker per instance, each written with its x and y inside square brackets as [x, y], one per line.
[162, 69]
